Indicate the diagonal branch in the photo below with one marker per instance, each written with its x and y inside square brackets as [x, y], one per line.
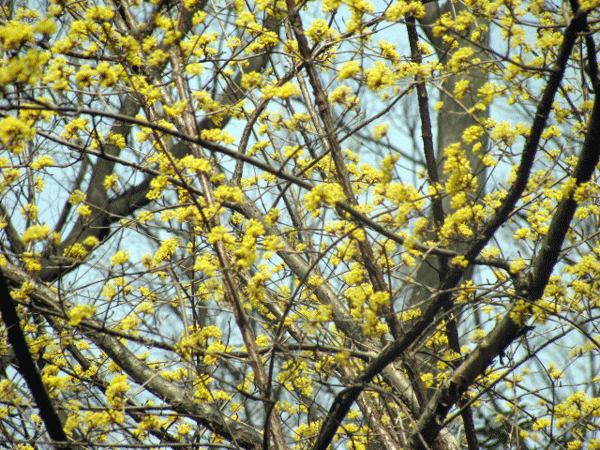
[98, 223]
[508, 330]
[346, 398]
[29, 370]
[217, 148]
[206, 415]
[332, 144]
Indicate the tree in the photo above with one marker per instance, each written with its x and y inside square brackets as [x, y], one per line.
[220, 222]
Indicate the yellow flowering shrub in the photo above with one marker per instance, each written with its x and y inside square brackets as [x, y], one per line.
[220, 222]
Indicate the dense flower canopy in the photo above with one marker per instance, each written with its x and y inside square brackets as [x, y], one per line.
[280, 224]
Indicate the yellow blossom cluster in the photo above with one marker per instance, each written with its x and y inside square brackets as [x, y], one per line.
[137, 99]
[80, 312]
[34, 233]
[329, 194]
[197, 341]
[15, 133]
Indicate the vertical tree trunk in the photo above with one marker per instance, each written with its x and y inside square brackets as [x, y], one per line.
[452, 120]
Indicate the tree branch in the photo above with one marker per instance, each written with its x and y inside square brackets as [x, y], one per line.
[180, 400]
[508, 330]
[29, 370]
[445, 398]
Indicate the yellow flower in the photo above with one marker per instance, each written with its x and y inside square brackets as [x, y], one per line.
[120, 257]
[224, 193]
[76, 197]
[459, 57]
[84, 77]
[517, 265]
[176, 110]
[14, 133]
[272, 243]
[327, 193]
[76, 251]
[252, 80]
[157, 185]
[319, 31]
[166, 251]
[145, 216]
[550, 132]
[263, 341]
[118, 387]
[32, 263]
[554, 372]
[99, 13]
[14, 33]
[523, 233]
[80, 312]
[184, 429]
[379, 76]
[45, 26]
[356, 275]
[35, 232]
[72, 127]
[206, 263]
[396, 11]
[110, 181]
[330, 5]
[217, 135]
[115, 139]
[42, 161]
[460, 88]
[460, 261]
[145, 308]
[30, 211]
[83, 210]
[90, 241]
[108, 74]
[350, 69]
[284, 91]
[380, 130]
